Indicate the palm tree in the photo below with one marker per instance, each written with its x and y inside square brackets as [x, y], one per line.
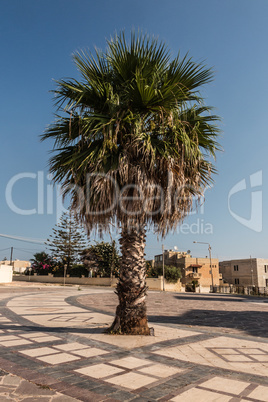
[133, 147]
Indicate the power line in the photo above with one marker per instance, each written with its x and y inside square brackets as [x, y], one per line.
[24, 239]
[26, 250]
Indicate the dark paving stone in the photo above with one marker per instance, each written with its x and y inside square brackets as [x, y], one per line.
[123, 396]
[37, 399]
[27, 388]
[105, 390]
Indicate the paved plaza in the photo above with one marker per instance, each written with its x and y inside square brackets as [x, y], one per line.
[206, 347]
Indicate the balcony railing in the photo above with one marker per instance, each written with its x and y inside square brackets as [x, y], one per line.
[194, 275]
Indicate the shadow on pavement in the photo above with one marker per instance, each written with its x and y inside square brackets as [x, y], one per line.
[249, 322]
[212, 297]
[54, 330]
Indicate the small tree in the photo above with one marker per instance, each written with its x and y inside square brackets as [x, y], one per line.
[102, 258]
[67, 241]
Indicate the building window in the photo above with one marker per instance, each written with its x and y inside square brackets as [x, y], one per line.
[235, 267]
[194, 270]
[266, 268]
[236, 281]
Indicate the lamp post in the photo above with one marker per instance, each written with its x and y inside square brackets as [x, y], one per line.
[209, 250]
[251, 270]
[64, 273]
[30, 273]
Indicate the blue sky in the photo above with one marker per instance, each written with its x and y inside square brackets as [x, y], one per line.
[37, 41]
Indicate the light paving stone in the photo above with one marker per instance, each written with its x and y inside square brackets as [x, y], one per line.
[253, 368]
[260, 393]
[15, 343]
[46, 309]
[58, 358]
[131, 380]
[226, 351]
[38, 352]
[160, 370]
[238, 358]
[162, 333]
[130, 362]
[33, 335]
[46, 339]
[99, 370]
[200, 395]
[8, 338]
[71, 346]
[225, 385]
[252, 351]
[90, 352]
[260, 358]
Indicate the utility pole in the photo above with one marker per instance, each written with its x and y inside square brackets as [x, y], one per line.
[11, 253]
[252, 281]
[209, 249]
[163, 258]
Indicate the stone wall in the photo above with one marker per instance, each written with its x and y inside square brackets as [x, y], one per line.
[152, 283]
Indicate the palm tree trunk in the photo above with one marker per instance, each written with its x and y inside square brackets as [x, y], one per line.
[131, 317]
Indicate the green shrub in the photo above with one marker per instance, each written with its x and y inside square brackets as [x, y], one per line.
[172, 274]
[78, 270]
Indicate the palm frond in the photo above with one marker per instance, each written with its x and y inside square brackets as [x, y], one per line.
[135, 119]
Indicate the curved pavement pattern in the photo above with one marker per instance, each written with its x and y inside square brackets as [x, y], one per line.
[53, 349]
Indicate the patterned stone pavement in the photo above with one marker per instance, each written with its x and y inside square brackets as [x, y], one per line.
[53, 348]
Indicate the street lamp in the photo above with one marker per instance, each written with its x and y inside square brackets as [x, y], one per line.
[30, 272]
[209, 250]
[64, 273]
[251, 270]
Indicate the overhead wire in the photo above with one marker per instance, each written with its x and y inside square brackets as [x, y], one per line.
[24, 239]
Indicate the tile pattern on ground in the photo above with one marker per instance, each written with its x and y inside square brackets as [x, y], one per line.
[223, 352]
[129, 372]
[113, 373]
[223, 389]
[57, 354]
[25, 338]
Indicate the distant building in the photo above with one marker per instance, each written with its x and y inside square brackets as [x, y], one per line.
[192, 269]
[18, 265]
[171, 257]
[245, 272]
